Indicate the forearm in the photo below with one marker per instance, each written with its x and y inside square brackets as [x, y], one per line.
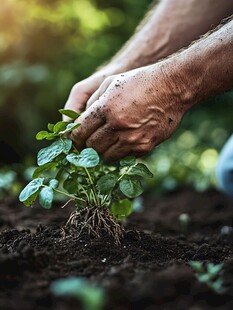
[169, 26]
[204, 69]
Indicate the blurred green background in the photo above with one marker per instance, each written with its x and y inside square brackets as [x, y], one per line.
[46, 46]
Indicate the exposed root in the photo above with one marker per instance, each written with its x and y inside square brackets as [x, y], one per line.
[96, 222]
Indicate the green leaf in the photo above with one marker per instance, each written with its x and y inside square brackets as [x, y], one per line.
[87, 158]
[214, 269]
[69, 128]
[60, 126]
[32, 188]
[39, 170]
[122, 208]
[128, 161]
[197, 266]
[50, 126]
[70, 286]
[28, 202]
[106, 183]
[217, 286]
[44, 135]
[141, 170]
[71, 185]
[73, 159]
[47, 154]
[53, 183]
[205, 277]
[72, 114]
[46, 197]
[131, 186]
[91, 296]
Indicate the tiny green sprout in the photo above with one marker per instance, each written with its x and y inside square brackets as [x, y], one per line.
[102, 194]
[92, 297]
[184, 220]
[210, 275]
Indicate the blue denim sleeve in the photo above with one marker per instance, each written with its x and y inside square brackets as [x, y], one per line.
[224, 169]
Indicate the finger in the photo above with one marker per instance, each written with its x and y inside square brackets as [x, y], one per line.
[89, 121]
[100, 91]
[81, 92]
[141, 149]
[93, 98]
[138, 154]
[102, 139]
[116, 152]
[76, 101]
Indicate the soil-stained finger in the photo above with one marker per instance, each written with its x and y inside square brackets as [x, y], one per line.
[100, 91]
[90, 121]
[116, 152]
[102, 139]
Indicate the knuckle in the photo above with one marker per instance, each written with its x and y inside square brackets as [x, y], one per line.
[145, 148]
[109, 78]
[89, 143]
[107, 82]
[131, 139]
[126, 141]
[123, 141]
[106, 158]
[76, 88]
[118, 122]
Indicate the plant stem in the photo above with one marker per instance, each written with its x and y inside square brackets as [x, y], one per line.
[106, 198]
[67, 171]
[85, 192]
[68, 195]
[126, 171]
[93, 188]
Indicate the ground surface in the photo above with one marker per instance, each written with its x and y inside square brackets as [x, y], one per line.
[149, 270]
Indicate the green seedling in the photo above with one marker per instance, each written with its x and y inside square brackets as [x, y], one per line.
[184, 220]
[210, 275]
[102, 193]
[92, 297]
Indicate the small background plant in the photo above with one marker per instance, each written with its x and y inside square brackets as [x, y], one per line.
[210, 275]
[100, 192]
[92, 297]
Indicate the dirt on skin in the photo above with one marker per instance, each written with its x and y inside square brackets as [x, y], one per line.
[149, 270]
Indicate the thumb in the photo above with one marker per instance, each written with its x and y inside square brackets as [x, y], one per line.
[100, 91]
[80, 94]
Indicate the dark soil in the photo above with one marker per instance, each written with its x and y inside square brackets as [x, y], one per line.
[149, 270]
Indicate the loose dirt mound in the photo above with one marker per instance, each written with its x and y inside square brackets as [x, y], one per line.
[149, 270]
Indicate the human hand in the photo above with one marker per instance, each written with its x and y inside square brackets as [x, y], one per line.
[83, 90]
[130, 114]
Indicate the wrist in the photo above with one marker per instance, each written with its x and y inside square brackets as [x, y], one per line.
[203, 70]
[174, 87]
[180, 80]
